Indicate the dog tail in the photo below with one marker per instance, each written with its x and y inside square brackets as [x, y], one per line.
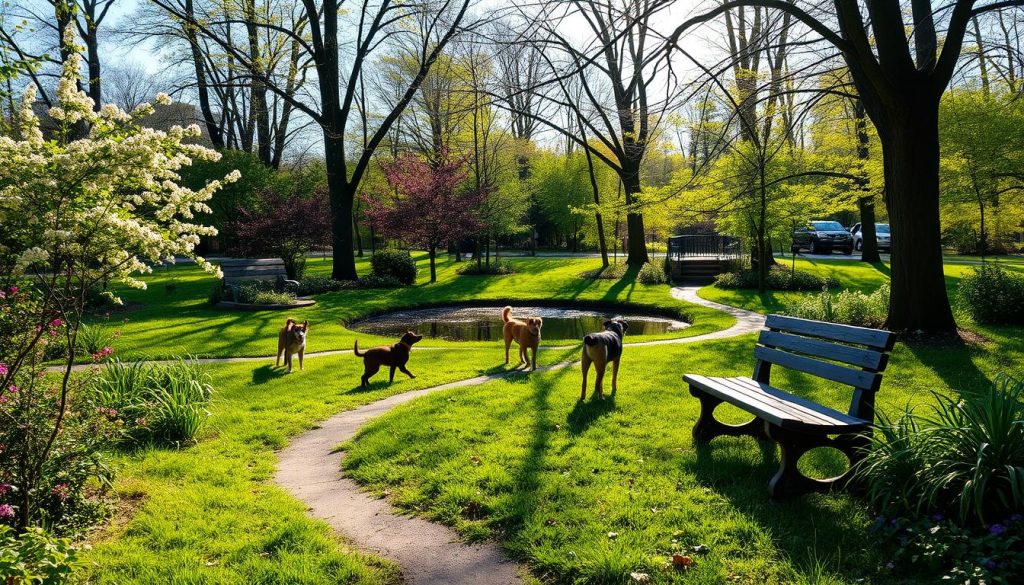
[506, 314]
[589, 339]
[355, 350]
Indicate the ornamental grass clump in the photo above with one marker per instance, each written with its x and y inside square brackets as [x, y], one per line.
[847, 307]
[161, 404]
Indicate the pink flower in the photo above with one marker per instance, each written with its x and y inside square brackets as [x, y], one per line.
[12, 389]
[3, 295]
[6, 511]
[3, 369]
[14, 290]
[4, 488]
[62, 491]
[56, 323]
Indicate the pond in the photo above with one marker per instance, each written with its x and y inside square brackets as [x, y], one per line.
[484, 323]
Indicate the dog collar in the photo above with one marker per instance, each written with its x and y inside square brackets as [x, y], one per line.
[407, 346]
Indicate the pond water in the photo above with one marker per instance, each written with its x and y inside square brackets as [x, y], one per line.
[484, 323]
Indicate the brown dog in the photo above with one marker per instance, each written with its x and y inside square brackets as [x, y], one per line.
[395, 357]
[526, 333]
[292, 340]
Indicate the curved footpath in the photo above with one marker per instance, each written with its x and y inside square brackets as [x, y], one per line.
[428, 553]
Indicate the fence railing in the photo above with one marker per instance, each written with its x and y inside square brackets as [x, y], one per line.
[704, 246]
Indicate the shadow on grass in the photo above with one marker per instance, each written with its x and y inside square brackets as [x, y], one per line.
[585, 412]
[266, 373]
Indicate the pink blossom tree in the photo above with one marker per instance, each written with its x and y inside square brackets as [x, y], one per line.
[284, 225]
[426, 206]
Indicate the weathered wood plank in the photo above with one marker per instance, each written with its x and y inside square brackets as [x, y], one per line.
[829, 371]
[874, 338]
[863, 358]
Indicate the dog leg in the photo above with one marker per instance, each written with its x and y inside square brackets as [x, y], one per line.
[615, 376]
[301, 352]
[586, 370]
[599, 366]
[368, 372]
[288, 360]
[392, 379]
[508, 344]
[522, 356]
[534, 351]
[406, 372]
[280, 350]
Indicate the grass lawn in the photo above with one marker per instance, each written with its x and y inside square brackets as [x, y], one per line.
[172, 316]
[209, 514]
[526, 462]
[519, 460]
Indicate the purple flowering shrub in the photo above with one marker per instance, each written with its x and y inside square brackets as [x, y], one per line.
[941, 546]
[951, 480]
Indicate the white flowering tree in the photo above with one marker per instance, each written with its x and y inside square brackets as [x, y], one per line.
[95, 198]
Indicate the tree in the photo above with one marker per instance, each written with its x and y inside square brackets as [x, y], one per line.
[122, 213]
[336, 112]
[901, 89]
[287, 226]
[427, 208]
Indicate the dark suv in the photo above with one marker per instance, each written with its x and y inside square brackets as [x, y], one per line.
[821, 237]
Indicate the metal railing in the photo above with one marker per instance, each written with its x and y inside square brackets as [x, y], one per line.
[704, 246]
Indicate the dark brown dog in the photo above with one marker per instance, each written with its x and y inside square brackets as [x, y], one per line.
[292, 340]
[526, 333]
[395, 357]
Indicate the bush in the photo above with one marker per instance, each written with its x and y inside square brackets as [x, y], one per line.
[992, 295]
[154, 403]
[397, 264]
[778, 278]
[314, 285]
[611, 272]
[375, 281]
[495, 267]
[35, 557]
[650, 273]
[965, 459]
[95, 339]
[847, 307]
[273, 298]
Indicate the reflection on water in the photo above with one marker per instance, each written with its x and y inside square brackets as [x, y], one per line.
[484, 323]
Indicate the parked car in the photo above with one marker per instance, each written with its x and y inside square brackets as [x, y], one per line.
[822, 237]
[882, 236]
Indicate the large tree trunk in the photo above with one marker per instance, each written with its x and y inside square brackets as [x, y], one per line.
[910, 149]
[637, 253]
[866, 205]
[93, 57]
[341, 195]
[202, 89]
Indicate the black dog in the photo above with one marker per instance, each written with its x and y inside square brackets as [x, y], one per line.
[602, 348]
[394, 356]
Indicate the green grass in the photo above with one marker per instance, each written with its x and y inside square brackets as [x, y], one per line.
[209, 513]
[172, 317]
[526, 462]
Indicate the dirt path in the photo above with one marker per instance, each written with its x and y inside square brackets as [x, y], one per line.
[428, 553]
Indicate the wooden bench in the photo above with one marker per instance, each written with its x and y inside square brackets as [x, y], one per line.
[239, 270]
[852, 356]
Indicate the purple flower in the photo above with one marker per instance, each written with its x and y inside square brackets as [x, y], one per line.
[991, 565]
[996, 529]
[938, 517]
[1015, 518]
[6, 511]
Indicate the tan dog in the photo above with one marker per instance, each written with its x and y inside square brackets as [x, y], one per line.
[601, 349]
[292, 340]
[526, 333]
[394, 356]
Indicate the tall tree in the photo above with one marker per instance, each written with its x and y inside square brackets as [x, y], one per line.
[374, 23]
[900, 73]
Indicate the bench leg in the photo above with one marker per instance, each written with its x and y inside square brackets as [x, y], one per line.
[789, 481]
[708, 427]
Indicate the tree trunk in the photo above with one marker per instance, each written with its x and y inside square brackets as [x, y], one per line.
[341, 196]
[359, 237]
[93, 57]
[637, 252]
[433, 265]
[866, 205]
[203, 91]
[910, 149]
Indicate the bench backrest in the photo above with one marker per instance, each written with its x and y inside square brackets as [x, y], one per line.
[238, 270]
[815, 347]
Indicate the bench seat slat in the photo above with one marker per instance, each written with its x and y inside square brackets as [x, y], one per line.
[874, 338]
[829, 371]
[777, 406]
[862, 358]
[250, 262]
[248, 277]
[786, 409]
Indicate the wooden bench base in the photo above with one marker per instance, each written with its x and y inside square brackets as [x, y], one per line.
[788, 481]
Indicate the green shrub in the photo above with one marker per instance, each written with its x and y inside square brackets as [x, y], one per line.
[273, 298]
[778, 278]
[394, 263]
[964, 459]
[95, 339]
[376, 281]
[495, 267]
[154, 403]
[651, 273]
[992, 295]
[314, 285]
[35, 557]
[847, 307]
[245, 292]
